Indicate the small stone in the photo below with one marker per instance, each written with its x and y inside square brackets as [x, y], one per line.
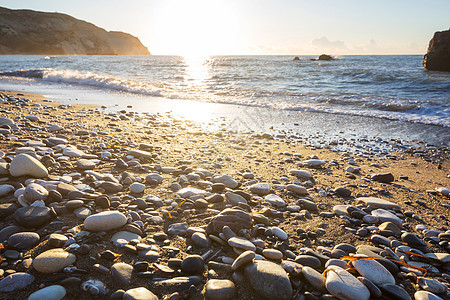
[26, 165]
[15, 281]
[121, 273]
[56, 240]
[343, 192]
[386, 216]
[344, 285]
[5, 189]
[269, 280]
[201, 240]
[424, 295]
[82, 212]
[220, 289]
[137, 188]
[236, 219]
[374, 290]
[149, 255]
[308, 260]
[23, 240]
[140, 293]
[279, 233]
[260, 189]
[189, 192]
[390, 226]
[227, 180]
[85, 164]
[373, 202]
[431, 285]
[243, 259]
[177, 228]
[314, 163]
[383, 177]
[111, 187]
[235, 199]
[52, 292]
[52, 261]
[105, 221]
[192, 264]
[298, 189]
[241, 243]
[392, 291]
[314, 278]
[301, 174]
[154, 178]
[71, 151]
[126, 236]
[32, 216]
[272, 254]
[374, 271]
[275, 200]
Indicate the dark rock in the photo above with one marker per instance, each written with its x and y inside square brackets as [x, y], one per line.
[102, 201]
[139, 293]
[308, 260]
[269, 280]
[53, 196]
[8, 231]
[296, 58]
[121, 272]
[111, 187]
[342, 192]
[217, 187]
[383, 177]
[236, 219]
[394, 292]
[325, 57]
[192, 264]
[15, 281]
[438, 54]
[23, 240]
[7, 208]
[216, 198]
[177, 283]
[32, 216]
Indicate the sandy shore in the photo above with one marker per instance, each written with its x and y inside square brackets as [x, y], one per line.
[180, 150]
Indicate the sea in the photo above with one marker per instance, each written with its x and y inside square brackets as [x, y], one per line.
[361, 96]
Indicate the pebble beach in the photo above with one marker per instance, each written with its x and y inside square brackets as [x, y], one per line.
[97, 204]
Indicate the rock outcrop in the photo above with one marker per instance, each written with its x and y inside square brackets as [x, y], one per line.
[33, 32]
[325, 57]
[438, 54]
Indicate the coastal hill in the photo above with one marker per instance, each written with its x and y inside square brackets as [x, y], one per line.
[34, 32]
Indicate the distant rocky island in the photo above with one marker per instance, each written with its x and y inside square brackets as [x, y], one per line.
[438, 54]
[34, 32]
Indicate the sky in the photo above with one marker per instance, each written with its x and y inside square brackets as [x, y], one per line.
[263, 27]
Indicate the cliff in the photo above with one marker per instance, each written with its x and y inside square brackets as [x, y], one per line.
[438, 54]
[34, 32]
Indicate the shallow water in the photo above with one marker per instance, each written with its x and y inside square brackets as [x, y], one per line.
[265, 91]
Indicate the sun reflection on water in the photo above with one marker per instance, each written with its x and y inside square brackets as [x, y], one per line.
[197, 69]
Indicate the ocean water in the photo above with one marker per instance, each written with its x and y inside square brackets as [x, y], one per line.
[383, 88]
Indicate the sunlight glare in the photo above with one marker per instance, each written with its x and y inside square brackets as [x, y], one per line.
[196, 68]
[197, 27]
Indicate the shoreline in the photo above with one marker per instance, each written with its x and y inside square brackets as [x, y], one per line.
[327, 127]
[182, 154]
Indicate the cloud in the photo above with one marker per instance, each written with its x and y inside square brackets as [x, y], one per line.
[324, 42]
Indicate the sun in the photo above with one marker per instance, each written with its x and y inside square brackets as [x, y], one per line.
[196, 28]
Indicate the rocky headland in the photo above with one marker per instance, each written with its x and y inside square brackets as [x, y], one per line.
[438, 54]
[127, 205]
[34, 32]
